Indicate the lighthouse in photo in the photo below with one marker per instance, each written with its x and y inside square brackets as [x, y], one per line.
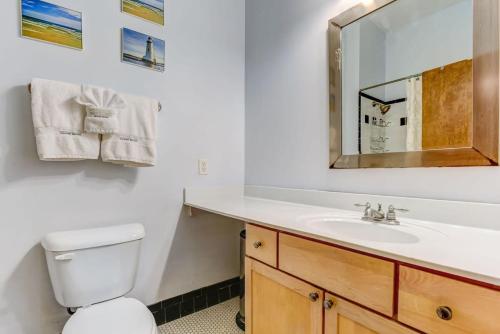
[143, 50]
[150, 52]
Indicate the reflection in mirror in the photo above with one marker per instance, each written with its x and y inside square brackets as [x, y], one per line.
[407, 78]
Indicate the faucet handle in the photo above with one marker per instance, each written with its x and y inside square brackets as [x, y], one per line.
[393, 209]
[391, 213]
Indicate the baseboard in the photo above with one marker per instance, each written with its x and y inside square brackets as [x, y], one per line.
[194, 301]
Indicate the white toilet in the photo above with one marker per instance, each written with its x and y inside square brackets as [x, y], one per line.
[92, 270]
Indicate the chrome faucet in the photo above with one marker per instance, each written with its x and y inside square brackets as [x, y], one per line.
[379, 216]
[367, 207]
[372, 214]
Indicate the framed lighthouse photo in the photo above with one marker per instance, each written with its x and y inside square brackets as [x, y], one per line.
[143, 50]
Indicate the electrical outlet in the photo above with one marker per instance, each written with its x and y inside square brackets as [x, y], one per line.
[203, 167]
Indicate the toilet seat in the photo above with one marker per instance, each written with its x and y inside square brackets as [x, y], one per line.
[117, 316]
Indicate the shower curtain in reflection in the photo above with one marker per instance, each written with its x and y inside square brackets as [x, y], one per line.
[414, 114]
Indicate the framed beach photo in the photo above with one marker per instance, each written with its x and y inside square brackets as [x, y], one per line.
[51, 23]
[143, 50]
[150, 10]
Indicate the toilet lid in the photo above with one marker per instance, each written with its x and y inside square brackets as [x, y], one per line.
[117, 316]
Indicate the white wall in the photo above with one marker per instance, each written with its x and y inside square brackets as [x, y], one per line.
[442, 38]
[202, 93]
[363, 61]
[439, 39]
[372, 56]
[287, 113]
[363, 45]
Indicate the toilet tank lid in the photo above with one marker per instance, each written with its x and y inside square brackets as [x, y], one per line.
[91, 238]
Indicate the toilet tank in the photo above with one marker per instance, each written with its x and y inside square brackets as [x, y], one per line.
[94, 265]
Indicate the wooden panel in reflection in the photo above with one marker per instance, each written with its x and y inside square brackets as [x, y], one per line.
[447, 107]
[460, 157]
[486, 75]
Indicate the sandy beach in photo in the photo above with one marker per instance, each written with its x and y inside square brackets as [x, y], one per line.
[51, 23]
[51, 33]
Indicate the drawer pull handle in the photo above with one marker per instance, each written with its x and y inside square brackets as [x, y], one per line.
[313, 296]
[444, 313]
[328, 304]
[257, 244]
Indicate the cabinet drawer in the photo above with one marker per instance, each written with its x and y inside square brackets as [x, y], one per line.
[261, 244]
[366, 280]
[423, 295]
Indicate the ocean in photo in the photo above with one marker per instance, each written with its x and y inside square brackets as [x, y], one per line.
[51, 23]
[151, 10]
[140, 62]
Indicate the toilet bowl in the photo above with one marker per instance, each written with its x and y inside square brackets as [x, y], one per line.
[92, 270]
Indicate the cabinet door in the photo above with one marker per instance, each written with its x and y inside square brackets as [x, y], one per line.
[280, 304]
[342, 317]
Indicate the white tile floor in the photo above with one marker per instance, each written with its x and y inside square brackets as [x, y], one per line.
[218, 319]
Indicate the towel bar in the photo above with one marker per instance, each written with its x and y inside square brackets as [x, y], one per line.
[159, 103]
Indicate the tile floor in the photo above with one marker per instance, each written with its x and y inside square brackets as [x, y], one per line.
[218, 319]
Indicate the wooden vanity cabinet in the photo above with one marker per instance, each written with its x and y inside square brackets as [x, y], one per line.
[343, 317]
[295, 285]
[277, 303]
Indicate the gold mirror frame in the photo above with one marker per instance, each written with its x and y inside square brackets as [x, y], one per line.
[486, 77]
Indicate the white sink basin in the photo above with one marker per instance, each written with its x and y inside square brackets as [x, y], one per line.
[358, 229]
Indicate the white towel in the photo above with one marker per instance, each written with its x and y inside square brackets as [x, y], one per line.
[58, 122]
[102, 106]
[135, 143]
[414, 113]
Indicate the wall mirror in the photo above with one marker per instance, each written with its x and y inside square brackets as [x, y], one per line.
[415, 84]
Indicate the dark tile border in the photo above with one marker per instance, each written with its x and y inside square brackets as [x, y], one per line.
[194, 301]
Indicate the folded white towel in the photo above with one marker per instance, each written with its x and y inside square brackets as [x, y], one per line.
[135, 143]
[58, 122]
[102, 106]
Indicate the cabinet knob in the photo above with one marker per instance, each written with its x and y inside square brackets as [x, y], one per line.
[328, 304]
[257, 244]
[444, 313]
[314, 296]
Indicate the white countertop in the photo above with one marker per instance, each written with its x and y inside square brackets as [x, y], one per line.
[461, 250]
